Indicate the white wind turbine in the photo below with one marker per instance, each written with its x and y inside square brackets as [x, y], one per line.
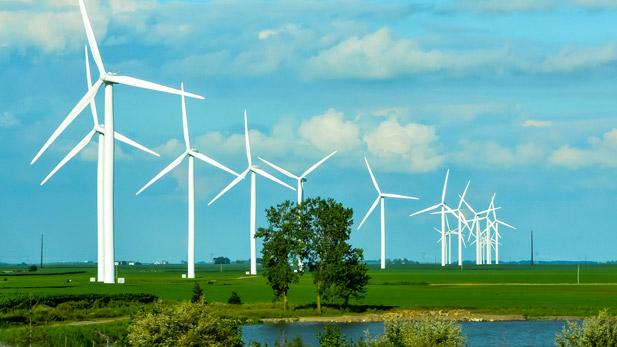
[480, 235]
[443, 209]
[462, 222]
[100, 129]
[302, 178]
[495, 225]
[253, 169]
[191, 153]
[109, 79]
[380, 199]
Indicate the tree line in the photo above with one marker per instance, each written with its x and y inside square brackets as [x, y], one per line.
[312, 236]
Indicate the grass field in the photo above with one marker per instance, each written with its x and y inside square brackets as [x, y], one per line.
[534, 291]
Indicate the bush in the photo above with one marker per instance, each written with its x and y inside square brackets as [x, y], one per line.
[600, 330]
[32, 268]
[198, 293]
[431, 331]
[331, 337]
[234, 299]
[186, 324]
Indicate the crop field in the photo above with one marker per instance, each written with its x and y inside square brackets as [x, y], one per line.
[532, 291]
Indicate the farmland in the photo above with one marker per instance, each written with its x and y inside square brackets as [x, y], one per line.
[532, 291]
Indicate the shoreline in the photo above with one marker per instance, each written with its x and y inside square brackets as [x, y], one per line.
[405, 315]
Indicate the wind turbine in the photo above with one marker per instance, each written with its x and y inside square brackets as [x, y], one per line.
[495, 224]
[302, 178]
[461, 222]
[191, 153]
[443, 209]
[109, 79]
[380, 200]
[480, 240]
[100, 130]
[254, 170]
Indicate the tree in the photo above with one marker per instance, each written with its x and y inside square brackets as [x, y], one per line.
[221, 260]
[336, 267]
[281, 245]
[600, 330]
[198, 293]
[185, 324]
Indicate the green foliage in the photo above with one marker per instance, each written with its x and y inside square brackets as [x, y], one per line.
[282, 243]
[32, 268]
[221, 260]
[198, 293]
[600, 331]
[186, 324]
[337, 268]
[431, 331]
[22, 301]
[331, 337]
[75, 336]
[234, 299]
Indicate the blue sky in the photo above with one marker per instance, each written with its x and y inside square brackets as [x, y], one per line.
[517, 96]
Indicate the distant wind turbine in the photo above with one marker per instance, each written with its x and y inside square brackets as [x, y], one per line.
[380, 199]
[495, 225]
[253, 169]
[109, 79]
[191, 153]
[302, 178]
[443, 209]
[100, 129]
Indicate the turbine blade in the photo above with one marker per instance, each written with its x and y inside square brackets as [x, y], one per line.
[317, 164]
[246, 140]
[372, 177]
[71, 154]
[272, 178]
[185, 125]
[91, 40]
[397, 196]
[212, 162]
[233, 183]
[279, 169]
[506, 224]
[463, 196]
[74, 113]
[164, 171]
[369, 211]
[468, 206]
[425, 210]
[135, 82]
[445, 183]
[130, 142]
[89, 80]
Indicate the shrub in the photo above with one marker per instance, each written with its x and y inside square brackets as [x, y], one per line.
[600, 330]
[198, 293]
[186, 324]
[234, 299]
[32, 268]
[331, 337]
[431, 331]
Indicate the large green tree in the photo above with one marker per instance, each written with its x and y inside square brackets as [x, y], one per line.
[282, 244]
[337, 268]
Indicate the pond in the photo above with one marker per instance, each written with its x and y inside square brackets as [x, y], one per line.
[479, 334]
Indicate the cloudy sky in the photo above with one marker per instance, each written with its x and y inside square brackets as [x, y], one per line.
[519, 97]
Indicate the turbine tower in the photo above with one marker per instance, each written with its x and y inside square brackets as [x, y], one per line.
[302, 178]
[109, 79]
[443, 209]
[100, 129]
[254, 170]
[495, 224]
[191, 153]
[380, 200]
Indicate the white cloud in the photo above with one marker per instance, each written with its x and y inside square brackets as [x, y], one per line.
[574, 57]
[492, 155]
[8, 120]
[602, 152]
[329, 132]
[383, 55]
[266, 33]
[412, 148]
[595, 4]
[537, 123]
[500, 6]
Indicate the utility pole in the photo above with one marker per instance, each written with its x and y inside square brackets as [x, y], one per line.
[532, 247]
[41, 251]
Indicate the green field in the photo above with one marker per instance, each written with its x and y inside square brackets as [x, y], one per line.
[533, 291]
